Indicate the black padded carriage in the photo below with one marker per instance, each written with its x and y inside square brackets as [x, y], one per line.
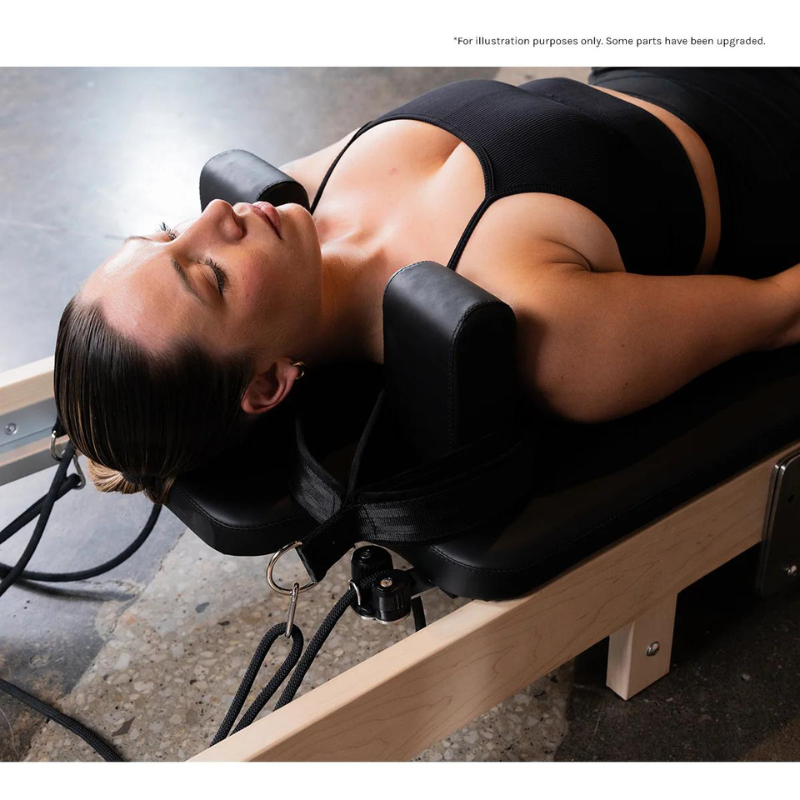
[447, 383]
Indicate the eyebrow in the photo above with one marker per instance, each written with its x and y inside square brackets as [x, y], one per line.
[176, 265]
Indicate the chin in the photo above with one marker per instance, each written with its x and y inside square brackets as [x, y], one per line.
[306, 230]
[296, 211]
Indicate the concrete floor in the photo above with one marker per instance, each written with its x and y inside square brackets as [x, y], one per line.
[150, 653]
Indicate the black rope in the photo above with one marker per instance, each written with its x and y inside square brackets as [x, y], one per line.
[319, 638]
[62, 484]
[88, 736]
[31, 513]
[43, 508]
[82, 575]
[44, 515]
[250, 675]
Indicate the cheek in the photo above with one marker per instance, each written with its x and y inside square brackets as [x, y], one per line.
[257, 301]
[267, 284]
[279, 298]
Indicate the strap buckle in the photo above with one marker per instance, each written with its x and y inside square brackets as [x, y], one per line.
[276, 587]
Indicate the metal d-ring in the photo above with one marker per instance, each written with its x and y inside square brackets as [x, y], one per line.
[271, 566]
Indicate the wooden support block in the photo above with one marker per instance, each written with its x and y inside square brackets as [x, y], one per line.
[639, 654]
[423, 688]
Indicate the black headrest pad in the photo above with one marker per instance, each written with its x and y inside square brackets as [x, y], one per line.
[448, 376]
[239, 176]
[449, 354]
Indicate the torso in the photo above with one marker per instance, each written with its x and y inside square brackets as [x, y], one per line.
[416, 186]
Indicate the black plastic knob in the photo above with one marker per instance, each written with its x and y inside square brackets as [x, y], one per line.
[368, 560]
[391, 597]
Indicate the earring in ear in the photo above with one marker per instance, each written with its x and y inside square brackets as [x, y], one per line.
[302, 367]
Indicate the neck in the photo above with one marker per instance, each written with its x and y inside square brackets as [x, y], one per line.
[354, 275]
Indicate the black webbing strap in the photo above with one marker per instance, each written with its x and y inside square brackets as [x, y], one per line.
[451, 497]
[316, 490]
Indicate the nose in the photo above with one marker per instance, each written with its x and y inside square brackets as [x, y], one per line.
[219, 220]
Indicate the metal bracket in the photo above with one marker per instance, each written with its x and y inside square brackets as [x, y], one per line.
[25, 439]
[27, 424]
[780, 548]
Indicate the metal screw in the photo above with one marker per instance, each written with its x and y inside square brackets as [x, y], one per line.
[386, 583]
[653, 648]
[792, 571]
[11, 429]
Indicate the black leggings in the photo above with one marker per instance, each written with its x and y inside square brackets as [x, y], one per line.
[749, 119]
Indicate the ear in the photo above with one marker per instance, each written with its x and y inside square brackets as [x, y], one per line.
[267, 389]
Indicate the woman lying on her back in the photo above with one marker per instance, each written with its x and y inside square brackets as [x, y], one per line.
[641, 227]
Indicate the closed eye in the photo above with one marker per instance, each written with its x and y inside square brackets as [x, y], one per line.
[220, 275]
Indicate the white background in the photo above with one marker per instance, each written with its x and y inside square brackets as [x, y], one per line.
[381, 33]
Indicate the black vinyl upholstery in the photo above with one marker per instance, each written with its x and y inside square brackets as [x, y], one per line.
[590, 484]
[594, 484]
[237, 175]
[448, 380]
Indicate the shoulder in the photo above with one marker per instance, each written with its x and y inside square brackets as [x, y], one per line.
[310, 170]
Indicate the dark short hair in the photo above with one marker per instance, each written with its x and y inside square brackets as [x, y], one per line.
[149, 416]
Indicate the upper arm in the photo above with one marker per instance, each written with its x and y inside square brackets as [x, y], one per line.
[310, 170]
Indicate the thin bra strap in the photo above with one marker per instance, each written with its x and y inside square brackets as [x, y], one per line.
[474, 220]
[488, 199]
[335, 162]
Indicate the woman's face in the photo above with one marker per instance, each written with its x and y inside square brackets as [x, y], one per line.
[229, 280]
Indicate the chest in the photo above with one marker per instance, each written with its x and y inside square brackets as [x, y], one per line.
[417, 188]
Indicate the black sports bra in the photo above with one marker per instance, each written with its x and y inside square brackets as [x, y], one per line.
[560, 136]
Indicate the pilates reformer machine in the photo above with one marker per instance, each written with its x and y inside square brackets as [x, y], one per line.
[561, 534]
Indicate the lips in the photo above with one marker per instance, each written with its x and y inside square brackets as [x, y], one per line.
[269, 214]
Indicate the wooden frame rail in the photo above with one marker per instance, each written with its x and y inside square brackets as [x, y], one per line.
[407, 697]
[423, 688]
[27, 412]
